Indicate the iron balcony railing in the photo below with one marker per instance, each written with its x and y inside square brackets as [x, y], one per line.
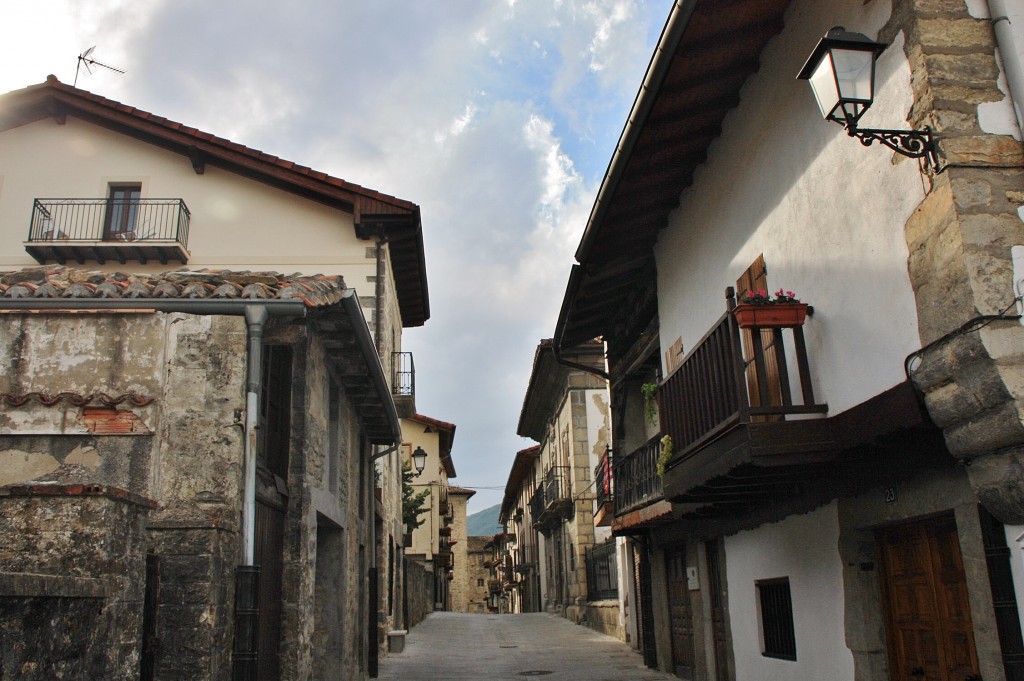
[719, 386]
[404, 383]
[556, 484]
[604, 479]
[126, 221]
[526, 556]
[637, 482]
[537, 503]
[602, 572]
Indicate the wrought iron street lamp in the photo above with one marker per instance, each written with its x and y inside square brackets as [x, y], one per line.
[419, 460]
[841, 72]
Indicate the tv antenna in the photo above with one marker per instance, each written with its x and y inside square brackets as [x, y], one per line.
[85, 59]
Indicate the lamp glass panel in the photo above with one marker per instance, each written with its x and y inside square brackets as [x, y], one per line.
[823, 82]
[854, 73]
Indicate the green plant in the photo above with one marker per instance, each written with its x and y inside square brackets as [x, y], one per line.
[666, 454]
[762, 297]
[650, 393]
[412, 503]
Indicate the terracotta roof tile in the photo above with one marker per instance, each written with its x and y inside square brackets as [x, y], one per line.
[62, 282]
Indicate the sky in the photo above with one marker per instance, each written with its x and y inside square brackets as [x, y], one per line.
[497, 117]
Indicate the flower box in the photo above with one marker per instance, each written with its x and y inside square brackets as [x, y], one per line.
[770, 316]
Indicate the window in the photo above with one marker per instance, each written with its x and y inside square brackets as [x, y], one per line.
[479, 582]
[275, 408]
[775, 606]
[122, 212]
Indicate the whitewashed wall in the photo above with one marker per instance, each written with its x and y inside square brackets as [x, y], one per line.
[826, 212]
[237, 223]
[803, 548]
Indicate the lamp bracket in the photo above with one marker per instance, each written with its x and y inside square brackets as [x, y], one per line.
[909, 143]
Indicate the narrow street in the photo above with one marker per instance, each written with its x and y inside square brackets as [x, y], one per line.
[451, 645]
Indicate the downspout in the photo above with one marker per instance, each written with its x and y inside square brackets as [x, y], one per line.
[255, 320]
[1009, 29]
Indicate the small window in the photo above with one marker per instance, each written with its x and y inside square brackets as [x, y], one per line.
[479, 582]
[775, 607]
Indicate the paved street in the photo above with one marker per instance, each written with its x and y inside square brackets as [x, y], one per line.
[450, 645]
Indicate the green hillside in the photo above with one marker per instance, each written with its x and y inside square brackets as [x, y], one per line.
[483, 523]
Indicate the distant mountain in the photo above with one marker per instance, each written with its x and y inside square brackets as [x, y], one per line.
[484, 523]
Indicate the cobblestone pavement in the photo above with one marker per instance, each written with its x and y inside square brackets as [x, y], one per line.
[449, 645]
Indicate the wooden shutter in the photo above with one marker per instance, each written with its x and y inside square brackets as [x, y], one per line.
[754, 279]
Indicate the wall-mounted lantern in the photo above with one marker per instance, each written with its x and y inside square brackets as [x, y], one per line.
[419, 460]
[841, 71]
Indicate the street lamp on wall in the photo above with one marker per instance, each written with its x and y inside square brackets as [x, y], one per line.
[419, 460]
[841, 72]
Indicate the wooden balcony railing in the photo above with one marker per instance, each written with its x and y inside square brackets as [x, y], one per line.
[637, 482]
[716, 387]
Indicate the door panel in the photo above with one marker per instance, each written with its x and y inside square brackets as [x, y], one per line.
[680, 612]
[928, 619]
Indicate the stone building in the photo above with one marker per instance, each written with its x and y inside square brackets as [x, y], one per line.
[476, 575]
[148, 197]
[458, 588]
[125, 417]
[549, 502]
[835, 496]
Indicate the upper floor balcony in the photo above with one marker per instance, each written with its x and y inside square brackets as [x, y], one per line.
[102, 230]
[738, 418]
[551, 502]
[403, 383]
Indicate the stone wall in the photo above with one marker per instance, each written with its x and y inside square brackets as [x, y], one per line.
[959, 240]
[602, 616]
[72, 582]
[419, 592]
[476, 575]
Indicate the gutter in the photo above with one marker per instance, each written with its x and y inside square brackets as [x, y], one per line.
[362, 333]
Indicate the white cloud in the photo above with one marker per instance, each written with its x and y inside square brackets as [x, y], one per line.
[496, 118]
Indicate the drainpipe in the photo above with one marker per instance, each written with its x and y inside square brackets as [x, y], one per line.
[1009, 29]
[255, 319]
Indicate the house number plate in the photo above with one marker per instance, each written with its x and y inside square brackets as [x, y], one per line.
[890, 495]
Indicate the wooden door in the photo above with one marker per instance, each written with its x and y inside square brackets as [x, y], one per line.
[719, 630]
[927, 615]
[680, 612]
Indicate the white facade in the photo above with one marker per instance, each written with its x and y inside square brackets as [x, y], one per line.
[774, 185]
[803, 549]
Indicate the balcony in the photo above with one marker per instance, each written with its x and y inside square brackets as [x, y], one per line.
[551, 503]
[526, 558]
[403, 383]
[637, 481]
[738, 427]
[102, 230]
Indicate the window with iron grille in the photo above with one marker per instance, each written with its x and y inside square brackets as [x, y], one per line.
[602, 573]
[776, 610]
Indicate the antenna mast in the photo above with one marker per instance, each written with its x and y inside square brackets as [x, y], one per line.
[86, 59]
